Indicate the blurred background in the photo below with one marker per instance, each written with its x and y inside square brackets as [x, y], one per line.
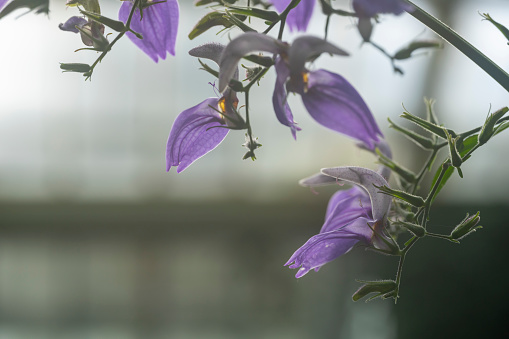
[98, 241]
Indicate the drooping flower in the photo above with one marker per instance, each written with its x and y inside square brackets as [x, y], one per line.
[157, 22]
[199, 129]
[355, 215]
[299, 17]
[328, 97]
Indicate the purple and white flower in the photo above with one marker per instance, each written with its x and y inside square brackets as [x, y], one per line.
[357, 215]
[157, 22]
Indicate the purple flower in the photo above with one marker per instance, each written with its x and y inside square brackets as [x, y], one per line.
[158, 26]
[298, 18]
[353, 216]
[370, 8]
[197, 131]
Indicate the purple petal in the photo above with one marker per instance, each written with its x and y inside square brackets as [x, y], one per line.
[71, 23]
[159, 27]
[346, 206]
[367, 179]
[369, 8]
[279, 98]
[195, 132]
[298, 18]
[333, 102]
[2, 3]
[325, 247]
[240, 46]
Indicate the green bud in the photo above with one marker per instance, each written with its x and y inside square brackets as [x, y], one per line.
[251, 144]
[75, 67]
[467, 226]
[417, 230]
[500, 27]
[406, 52]
[384, 289]
[455, 156]
[365, 27]
[488, 129]
[413, 200]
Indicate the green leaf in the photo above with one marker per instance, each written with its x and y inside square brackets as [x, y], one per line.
[255, 12]
[37, 6]
[113, 24]
[430, 127]
[210, 20]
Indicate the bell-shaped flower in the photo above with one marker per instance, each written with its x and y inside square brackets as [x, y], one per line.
[370, 8]
[157, 22]
[199, 129]
[357, 215]
[299, 17]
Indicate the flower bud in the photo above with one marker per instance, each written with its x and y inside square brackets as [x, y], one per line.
[467, 226]
[488, 130]
[384, 289]
[75, 67]
[455, 156]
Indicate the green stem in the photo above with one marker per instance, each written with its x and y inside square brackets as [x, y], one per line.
[423, 170]
[448, 34]
[282, 19]
[111, 44]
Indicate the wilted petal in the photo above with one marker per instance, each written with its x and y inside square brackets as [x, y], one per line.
[369, 8]
[195, 132]
[367, 179]
[308, 47]
[244, 44]
[159, 27]
[298, 18]
[325, 247]
[279, 98]
[71, 23]
[333, 102]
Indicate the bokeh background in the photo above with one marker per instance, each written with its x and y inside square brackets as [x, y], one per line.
[98, 241]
